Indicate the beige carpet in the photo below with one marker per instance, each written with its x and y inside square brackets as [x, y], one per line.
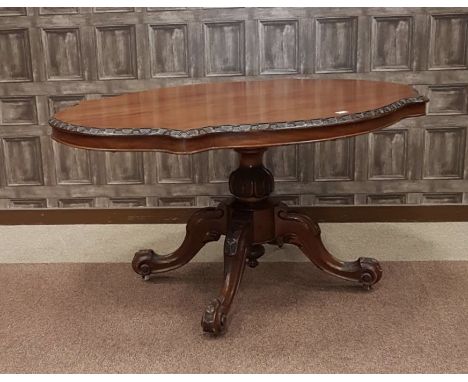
[288, 317]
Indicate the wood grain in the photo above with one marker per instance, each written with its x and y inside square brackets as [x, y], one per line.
[243, 104]
[235, 103]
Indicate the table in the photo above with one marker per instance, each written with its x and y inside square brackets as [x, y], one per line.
[249, 117]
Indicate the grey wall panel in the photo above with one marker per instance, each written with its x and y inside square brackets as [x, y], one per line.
[278, 46]
[55, 57]
[336, 44]
[23, 161]
[169, 50]
[388, 150]
[16, 55]
[116, 52]
[342, 165]
[18, 111]
[62, 53]
[224, 48]
[392, 43]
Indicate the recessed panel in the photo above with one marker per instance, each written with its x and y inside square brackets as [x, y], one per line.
[448, 42]
[124, 168]
[15, 56]
[127, 202]
[224, 49]
[58, 11]
[442, 198]
[334, 200]
[215, 200]
[12, 11]
[57, 103]
[278, 46]
[336, 43]
[289, 200]
[220, 165]
[282, 162]
[388, 154]
[334, 160]
[23, 162]
[76, 203]
[72, 166]
[116, 52]
[113, 9]
[386, 199]
[444, 150]
[18, 111]
[168, 45]
[177, 202]
[446, 100]
[28, 203]
[62, 50]
[174, 168]
[391, 43]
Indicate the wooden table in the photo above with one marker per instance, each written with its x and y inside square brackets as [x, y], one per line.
[248, 117]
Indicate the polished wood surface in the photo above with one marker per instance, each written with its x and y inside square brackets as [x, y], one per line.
[235, 103]
[245, 104]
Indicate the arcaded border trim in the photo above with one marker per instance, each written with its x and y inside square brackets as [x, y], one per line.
[319, 122]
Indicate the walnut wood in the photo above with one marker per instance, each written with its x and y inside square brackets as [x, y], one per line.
[250, 117]
[235, 115]
[205, 225]
[300, 230]
[236, 248]
[249, 220]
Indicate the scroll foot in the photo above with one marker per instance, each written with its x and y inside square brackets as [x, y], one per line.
[214, 319]
[205, 225]
[300, 230]
[371, 272]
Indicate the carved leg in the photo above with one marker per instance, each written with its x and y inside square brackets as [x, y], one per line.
[205, 225]
[300, 230]
[237, 246]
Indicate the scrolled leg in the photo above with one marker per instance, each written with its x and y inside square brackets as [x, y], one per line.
[237, 247]
[301, 231]
[205, 225]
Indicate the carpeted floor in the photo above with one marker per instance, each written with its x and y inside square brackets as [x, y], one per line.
[288, 317]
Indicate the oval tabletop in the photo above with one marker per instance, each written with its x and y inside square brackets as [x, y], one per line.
[191, 118]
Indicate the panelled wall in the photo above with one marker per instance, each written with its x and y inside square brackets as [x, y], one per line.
[52, 58]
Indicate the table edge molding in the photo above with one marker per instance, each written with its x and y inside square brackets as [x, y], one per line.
[243, 128]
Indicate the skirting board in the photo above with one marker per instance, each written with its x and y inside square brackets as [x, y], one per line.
[118, 242]
[174, 215]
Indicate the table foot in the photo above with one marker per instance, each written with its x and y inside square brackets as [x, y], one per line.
[205, 225]
[237, 246]
[256, 251]
[301, 231]
[278, 242]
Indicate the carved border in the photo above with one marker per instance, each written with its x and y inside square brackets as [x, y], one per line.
[319, 122]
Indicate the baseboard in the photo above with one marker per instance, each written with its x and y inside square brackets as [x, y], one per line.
[344, 214]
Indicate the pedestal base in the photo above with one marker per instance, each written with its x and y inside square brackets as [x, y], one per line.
[248, 221]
